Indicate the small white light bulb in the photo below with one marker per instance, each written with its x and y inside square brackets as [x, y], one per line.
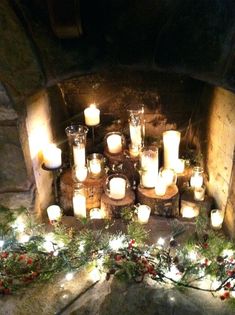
[69, 276]
[161, 241]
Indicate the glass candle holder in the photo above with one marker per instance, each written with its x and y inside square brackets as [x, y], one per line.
[143, 213]
[149, 166]
[114, 142]
[71, 132]
[52, 156]
[171, 142]
[217, 218]
[79, 201]
[168, 175]
[160, 186]
[196, 180]
[199, 193]
[79, 173]
[137, 125]
[116, 186]
[95, 164]
[189, 212]
[54, 213]
[180, 166]
[79, 146]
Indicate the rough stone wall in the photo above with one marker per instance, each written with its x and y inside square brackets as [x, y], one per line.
[15, 178]
[221, 142]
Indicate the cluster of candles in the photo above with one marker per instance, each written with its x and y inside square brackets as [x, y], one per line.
[117, 184]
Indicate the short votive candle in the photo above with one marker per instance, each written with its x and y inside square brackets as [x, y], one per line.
[52, 156]
[189, 212]
[199, 193]
[114, 143]
[54, 213]
[217, 218]
[160, 186]
[80, 173]
[117, 187]
[143, 212]
[92, 115]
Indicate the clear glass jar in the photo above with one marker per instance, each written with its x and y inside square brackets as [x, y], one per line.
[95, 165]
[168, 175]
[136, 125]
[114, 142]
[116, 186]
[79, 201]
[79, 146]
[149, 166]
[196, 180]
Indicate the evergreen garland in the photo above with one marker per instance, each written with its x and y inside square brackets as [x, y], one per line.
[205, 262]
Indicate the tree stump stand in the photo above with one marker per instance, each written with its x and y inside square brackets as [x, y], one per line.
[114, 159]
[113, 208]
[93, 188]
[167, 205]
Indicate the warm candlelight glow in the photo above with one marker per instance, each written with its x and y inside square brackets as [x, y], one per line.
[52, 156]
[149, 165]
[148, 178]
[199, 193]
[189, 212]
[180, 165]
[196, 180]
[217, 218]
[160, 186]
[117, 187]
[79, 155]
[54, 213]
[134, 151]
[92, 115]
[79, 202]
[80, 173]
[96, 213]
[95, 166]
[143, 213]
[114, 143]
[171, 141]
[168, 176]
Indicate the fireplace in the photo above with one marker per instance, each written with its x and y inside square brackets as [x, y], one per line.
[66, 68]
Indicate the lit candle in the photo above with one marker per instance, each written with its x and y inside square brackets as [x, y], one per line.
[180, 165]
[134, 151]
[199, 193]
[148, 178]
[217, 218]
[52, 156]
[96, 213]
[117, 187]
[168, 176]
[196, 181]
[160, 186]
[80, 173]
[95, 166]
[143, 213]
[92, 115]
[79, 155]
[54, 213]
[114, 143]
[136, 135]
[189, 211]
[171, 141]
[79, 205]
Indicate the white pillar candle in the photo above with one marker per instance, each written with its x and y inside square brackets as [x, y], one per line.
[135, 135]
[171, 141]
[95, 166]
[168, 176]
[52, 156]
[199, 193]
[80, 173]
[134, 151]
[189, 212]
[148, 178]
[180, 165]
[79, 205]
[143, 213]
[217, 218]
[114, 143]
[79, 155]
[117, 187]
[96, 213]
[54, 213]
[92, 115]
[160, 186]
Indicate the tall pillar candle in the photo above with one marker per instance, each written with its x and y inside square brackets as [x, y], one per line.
[171, 141]
[79, 202]
[79, 155]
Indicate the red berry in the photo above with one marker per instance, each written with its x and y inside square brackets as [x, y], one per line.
[226, 295]
[118, 257]
[4, 254]
[29, 261]
[228, 285]
[21, 257]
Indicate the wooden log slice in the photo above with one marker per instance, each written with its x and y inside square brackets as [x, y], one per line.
[94, 190]
[114, 158]
[113, 208]
[167, 205]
